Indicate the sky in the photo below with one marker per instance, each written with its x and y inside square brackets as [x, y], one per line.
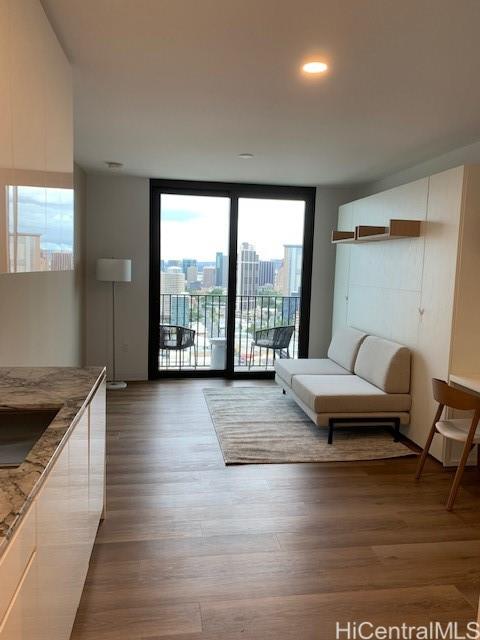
[49, 212]
[197, 226]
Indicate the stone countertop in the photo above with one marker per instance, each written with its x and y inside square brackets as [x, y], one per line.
[66, 388]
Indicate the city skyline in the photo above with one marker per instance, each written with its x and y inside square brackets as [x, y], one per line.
[254, 275]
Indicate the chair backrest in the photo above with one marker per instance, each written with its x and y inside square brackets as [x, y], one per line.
[344, 347]
[176, 337]
[282, 336]
[454, 398]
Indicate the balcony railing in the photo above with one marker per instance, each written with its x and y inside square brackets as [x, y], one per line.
[206, 314]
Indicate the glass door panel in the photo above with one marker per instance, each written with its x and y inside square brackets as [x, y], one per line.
[194, 241]
[269, 281]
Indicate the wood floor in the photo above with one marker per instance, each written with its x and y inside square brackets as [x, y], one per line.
[193, 550]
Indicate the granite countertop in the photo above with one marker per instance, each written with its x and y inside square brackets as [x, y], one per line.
[66, 388]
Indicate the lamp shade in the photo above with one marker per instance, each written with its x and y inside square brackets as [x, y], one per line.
[114, 269]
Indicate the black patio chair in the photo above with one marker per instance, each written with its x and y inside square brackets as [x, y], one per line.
[177, 338]
[277, 338]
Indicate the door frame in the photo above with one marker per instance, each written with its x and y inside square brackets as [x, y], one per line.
[234, 191]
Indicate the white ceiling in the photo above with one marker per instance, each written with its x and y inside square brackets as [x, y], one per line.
[178, 88]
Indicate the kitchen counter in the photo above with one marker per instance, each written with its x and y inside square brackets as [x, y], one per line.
[66, 388]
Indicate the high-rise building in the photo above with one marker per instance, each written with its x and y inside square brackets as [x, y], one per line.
[221, 266]
[192, 274]
[292, 265]
[280, 279]
[25, 253]
[208, 277]
[172, 283]
[266, 272]
[247, 270]
[60, 260]
[180, 310]
[187, 263]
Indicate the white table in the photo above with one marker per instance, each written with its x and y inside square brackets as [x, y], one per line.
[219, 353]
[469, 381]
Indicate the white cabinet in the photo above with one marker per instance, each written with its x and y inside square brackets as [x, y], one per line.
[342, 269]
[44, 567]
[97, 458]
[21, 619]
[18, 581]
[81, 541]
[56, 590]
[421, 292]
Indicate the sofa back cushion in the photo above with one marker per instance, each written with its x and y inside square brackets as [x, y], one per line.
[345, 345]
[385, 364]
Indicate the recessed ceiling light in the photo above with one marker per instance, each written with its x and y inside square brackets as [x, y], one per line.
[315, 67]
[245, 156]
[114, 165]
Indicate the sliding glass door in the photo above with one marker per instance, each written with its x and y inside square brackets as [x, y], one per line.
[194, 239]
[269, 281]
[230, 270]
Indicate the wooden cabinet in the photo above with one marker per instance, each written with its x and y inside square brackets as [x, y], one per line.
[43, 570]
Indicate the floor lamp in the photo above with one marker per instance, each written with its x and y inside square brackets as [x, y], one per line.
[114, 270]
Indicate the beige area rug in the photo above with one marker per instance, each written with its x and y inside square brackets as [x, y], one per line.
[259, 425]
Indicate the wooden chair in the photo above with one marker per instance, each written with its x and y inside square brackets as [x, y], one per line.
[459, 429]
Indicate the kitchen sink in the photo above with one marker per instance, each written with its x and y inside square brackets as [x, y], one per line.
[19, 431]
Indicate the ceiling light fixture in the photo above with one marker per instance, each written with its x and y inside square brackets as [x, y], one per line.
[315, 67]
[245, 156]
[114, 165]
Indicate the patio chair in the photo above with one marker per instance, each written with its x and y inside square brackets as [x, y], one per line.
[177, 338]
[277, 338]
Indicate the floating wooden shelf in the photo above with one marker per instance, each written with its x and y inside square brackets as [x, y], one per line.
[367, 233]
[342, 236]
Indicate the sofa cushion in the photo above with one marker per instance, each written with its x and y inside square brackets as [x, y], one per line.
[287, 368]
[385, 364]
[344, 347]
[346, 394]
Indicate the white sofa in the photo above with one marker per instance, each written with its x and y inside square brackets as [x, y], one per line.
[364, 380]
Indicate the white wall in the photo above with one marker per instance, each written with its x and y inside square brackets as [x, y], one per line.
[117, 226]
[41, 312]
[470, 154]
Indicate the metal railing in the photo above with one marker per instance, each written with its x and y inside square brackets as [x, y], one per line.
[206, 314]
